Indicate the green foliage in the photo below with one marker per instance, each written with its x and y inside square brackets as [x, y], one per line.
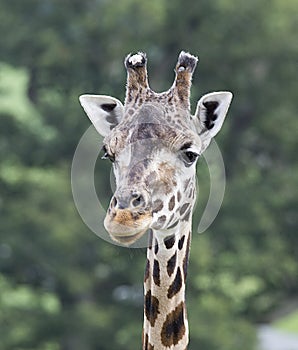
[25, 314]
[61, 287]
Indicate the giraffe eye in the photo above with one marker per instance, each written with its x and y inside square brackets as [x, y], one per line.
[189, 157]
[106, 155]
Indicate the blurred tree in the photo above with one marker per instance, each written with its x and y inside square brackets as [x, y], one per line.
[77, 292]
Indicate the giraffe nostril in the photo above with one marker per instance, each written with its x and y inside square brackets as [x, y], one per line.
[138, 200]
[114, 202]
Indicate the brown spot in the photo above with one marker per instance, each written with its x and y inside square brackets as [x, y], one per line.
[176, 285]
[161, 220]
[136, 98]
[129, 97]
[171, 218]
[186, 183]
[172, 203]
[169, 241]
[151, 308]
[185, 260]
[174, 224]
[181, 242]
[156, 247]
[147, 270]
[156, 272]
[186, 216]
[157, 206]
[178, 196]
[173, 328]
[172, 264]
[184, 208]
[190, 192]
[147, 345]
[150, 238]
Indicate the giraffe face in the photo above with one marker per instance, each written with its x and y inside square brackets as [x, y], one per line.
[154, 161]
[154, 142]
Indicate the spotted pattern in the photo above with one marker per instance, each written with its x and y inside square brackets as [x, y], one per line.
[186, 216]
[178, 196]
[150, 239]
[186, 183]
[172, 203]
[190, 192]
[173, 225]
[184, 208]
[147, 345]
[157, 206]
[185, 260]
[170, 105]
[156, 272]
[147, 270]
[171, 264]
[171, 218]
[151, 308]
[169, 241]
[176, 285]
[161, 220]
[181, 242]
[173, 328]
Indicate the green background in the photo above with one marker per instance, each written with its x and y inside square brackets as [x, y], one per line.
[63, 288]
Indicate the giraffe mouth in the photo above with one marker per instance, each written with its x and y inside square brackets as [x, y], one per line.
[128, 239]
[125, 229]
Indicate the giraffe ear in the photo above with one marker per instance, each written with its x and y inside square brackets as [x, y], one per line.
[105, 112]
[210, 114]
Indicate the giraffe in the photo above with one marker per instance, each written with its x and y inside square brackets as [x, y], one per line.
[154, 142]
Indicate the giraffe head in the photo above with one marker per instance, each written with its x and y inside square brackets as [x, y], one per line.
[154, 141]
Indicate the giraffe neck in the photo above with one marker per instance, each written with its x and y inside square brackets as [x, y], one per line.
[165, 317]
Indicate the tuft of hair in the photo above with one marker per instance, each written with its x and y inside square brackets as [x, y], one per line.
[187, 62]
[135, 60]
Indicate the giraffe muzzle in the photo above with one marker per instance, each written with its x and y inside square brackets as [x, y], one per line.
[128, 217]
